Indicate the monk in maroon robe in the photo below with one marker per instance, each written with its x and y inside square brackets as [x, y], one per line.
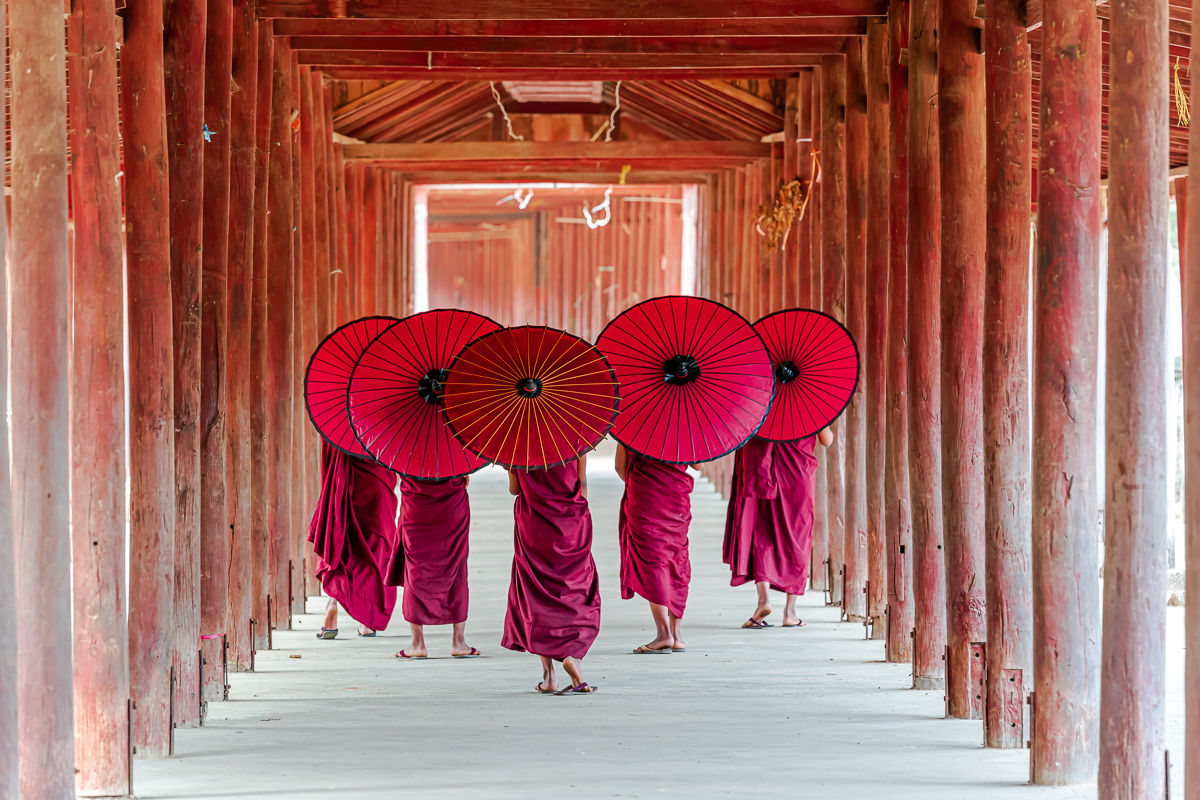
[353, 533]
[768, 526]
[554, 596]
[655, 513]
[431, 561]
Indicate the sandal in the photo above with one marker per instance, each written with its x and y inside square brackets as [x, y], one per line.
[646, 649]
[582, 688]
[327, 633]
[407, 657]
[473, 654]
[368, 635]
[540, 690]
[755, 624]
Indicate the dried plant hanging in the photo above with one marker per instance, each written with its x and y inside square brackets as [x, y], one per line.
[775, 222]
[1181, 100]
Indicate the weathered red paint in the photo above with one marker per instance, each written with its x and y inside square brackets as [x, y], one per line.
[1133, 669]
[820, 568]
[800, 295]
[1190, 274]
[101, 639]
[243, 109]
[151, 388]
[898, 517]
[1066, 657]
[924, 350]
[331, 198]
[1006, 370]
[588, 9]
[41, 346]
[345, 295]
[214, 322]
[302, 255]
[309, 302]
[324, 254]
[877, 309]
[9, 768]
[961, 116]
[833, 283]
[854, 548]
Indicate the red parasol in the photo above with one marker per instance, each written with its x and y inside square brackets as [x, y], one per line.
[396, 394]
[695, 378]
[816, 372]
[530, 397]
[328, 378]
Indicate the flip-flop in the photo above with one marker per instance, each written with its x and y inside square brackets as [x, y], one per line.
[582, 688]
[678, 649]
[327, 633]
[368, 635]
[540, 690]
[473, 654]
[799, 624]
[646, 650]
[753, 624]
[407, 657]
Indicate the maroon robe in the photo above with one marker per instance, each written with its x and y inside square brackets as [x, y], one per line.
[353, 533]
[768, 527]
[554, 596]
[655, 513]
[431, 559]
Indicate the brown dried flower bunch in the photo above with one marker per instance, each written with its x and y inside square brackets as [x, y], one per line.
[775, 222]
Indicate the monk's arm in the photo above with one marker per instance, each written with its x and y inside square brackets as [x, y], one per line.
[583, 476]
[825, 437]
[622, 461]
[514, 488]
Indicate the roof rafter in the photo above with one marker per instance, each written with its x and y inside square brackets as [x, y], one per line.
[578, 10]
[729, 47]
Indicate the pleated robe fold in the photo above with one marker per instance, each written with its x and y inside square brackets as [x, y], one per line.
[430, 561]
[656, 511]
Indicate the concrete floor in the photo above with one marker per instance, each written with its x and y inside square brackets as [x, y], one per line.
[798, 713]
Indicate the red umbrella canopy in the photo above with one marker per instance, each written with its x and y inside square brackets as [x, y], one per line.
[328, 378]
[396, 394]
[816, 372]
[695, 378]
[530, 397]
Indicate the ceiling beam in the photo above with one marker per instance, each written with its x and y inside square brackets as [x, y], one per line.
[722, 26]
[605, 61]
[726, 46]
[377, 73]
[529, 152]
[558, 108]
[579, 9]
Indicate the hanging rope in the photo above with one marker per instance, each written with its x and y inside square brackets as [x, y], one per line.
[606, 207]
[1181, 101]
[612, 118]
[504, 111]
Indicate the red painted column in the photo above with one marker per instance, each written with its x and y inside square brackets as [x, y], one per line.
[855, 548]
[279, 272]
[345, 296]
[793, 245]
[310, 314]
[336, 266]
[898, 516]
[183, 65]
[1190, 274]
[40, 323]
[9, 771]
[151, 388]
[302, 255]
[877, 298]
[368, 222]
[833, 267]
[260, 416]
[101, 639]
[800, 295]
[961, 114]
[820, 569]
[924, 350]
[1006, 375]
[1066, 653]
[241, 265]
[214, 321]
[1133, 668]
[321, 199]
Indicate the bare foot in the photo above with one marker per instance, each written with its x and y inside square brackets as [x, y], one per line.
[793, 622]
[413, 652]
[762, 612]
[679, 644]
[330, 621]
[659, 643]
[461, 649]
[363, 630]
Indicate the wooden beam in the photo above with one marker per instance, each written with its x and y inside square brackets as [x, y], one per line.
[822, 571]
[537, 10]
[633, 62]
[729, 47]
[559, 108]
[452, 28]
[10, 775]
[615, 73]
[309, 312]
[301, 428]
[559, 151]
[1190, 278]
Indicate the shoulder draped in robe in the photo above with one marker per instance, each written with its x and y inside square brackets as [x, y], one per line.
[353, 533]
[769, 523]
[430, 561]
[655, 513]
[554, 596]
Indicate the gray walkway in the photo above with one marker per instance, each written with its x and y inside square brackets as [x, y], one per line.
[795, 713]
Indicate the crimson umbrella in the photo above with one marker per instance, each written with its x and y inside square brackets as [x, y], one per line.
[396, 394]
[530, 397]
[816, 372]
[328, 378]
[695, 378]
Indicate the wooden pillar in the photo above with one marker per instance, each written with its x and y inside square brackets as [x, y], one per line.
[214, 320]
[101, 639]
[1190, 274]
[345, 290]
[336, 266]
[1133, 656]
[898, 517]
[10, 777]
[924, 350]
[279, 271]
[243, 109]
[183, 65]
[302, 255]
[855, 547]
[151, 387]
[821, 566]
[961, 135]
[40, 308]
[876, 342]
[310, 313]
[368, 223]
[833, 286]
[261, 564]
[1066, 657]
[324, 253]
[800, 295]
[1006, 375]
[792, 247]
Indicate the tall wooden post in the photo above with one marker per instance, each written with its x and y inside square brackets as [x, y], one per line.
[898, 517]
[101, 638]
[301, 255]
[214, 320]
[321, 199]
[241, 265]
[961, 114]
[310, 314]
[262, 564]
[801, 295]
[924, 349]
[151, 387]
[795, 241]
[1006, 374]
[1066, 657]
[833, 267]
[878, 245]
[821, 565]
[10, 776]
[1133, 656]
[38, 278]
[1190, 275]
[336, 266]
[345, 290]
[855, 546]
[183, 64]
